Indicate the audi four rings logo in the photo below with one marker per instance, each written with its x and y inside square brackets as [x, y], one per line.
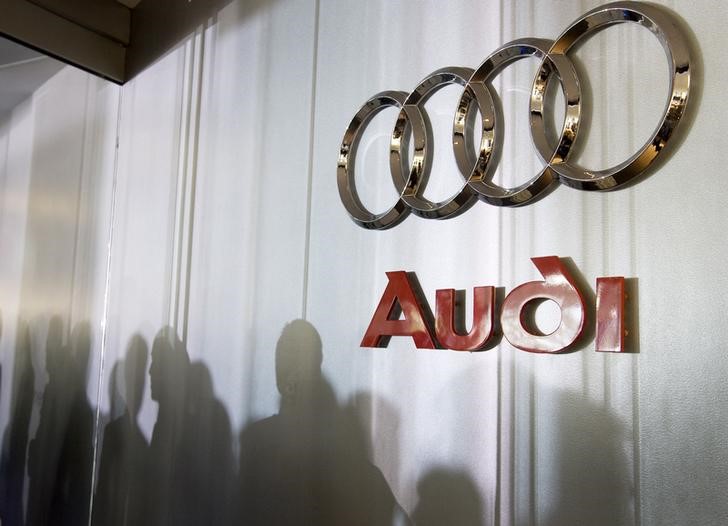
[478, 168]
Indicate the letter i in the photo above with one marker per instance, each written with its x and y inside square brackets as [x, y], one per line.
[610, 314]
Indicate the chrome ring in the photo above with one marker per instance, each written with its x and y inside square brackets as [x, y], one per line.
[478, 171]
[667, 32]
[411, 188]
[347, 154]
[480, 179]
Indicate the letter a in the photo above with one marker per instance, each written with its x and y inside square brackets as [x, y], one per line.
[399, 294]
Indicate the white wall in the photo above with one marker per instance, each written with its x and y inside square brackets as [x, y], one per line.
[218, 214]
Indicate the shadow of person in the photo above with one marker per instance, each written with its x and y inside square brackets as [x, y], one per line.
[189, 466]
[1, 365]
[73, 489]
[591, 483]
[124, 451]
[60, 457]
[447, 496]
[368, 416]
[15, 440]
[168, 374]
[207, 475]
[308, 463]
[44, 448]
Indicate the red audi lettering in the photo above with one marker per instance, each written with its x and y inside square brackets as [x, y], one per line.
[558, 286]
[403, 297]
[483, 320]
[399, 298]
[610, 315]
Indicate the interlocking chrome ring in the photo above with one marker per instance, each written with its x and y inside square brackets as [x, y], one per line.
[477, 170]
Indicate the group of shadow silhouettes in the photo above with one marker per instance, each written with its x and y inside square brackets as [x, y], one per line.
[307, 464]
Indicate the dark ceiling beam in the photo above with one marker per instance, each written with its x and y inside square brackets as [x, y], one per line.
[58, 36]
[108, 18]
[106, 37]
[159, 25]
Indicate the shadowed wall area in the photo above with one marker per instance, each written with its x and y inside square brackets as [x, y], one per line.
[308, 463]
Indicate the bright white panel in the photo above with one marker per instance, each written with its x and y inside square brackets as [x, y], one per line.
[249, 234]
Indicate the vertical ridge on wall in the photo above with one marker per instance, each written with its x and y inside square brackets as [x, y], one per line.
[180, 210]
[192, 167]
[533, 405]
[186, 184]
[636, 453]
[505, 412]
[105, 312]
[309, 185]
[255, 215]
[632, 101]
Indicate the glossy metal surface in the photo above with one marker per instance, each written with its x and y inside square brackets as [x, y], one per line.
[411, 188]
[480, 178]
[610, 314]
[398, 298]
[449, 334]
[478, 170]
[403, 298]
[675, 46]
[347, 154]
[558, 286]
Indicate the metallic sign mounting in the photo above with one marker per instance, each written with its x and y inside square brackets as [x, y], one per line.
[410, 181]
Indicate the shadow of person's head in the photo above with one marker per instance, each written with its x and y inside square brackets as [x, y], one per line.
[169, 369]
[298, 365]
